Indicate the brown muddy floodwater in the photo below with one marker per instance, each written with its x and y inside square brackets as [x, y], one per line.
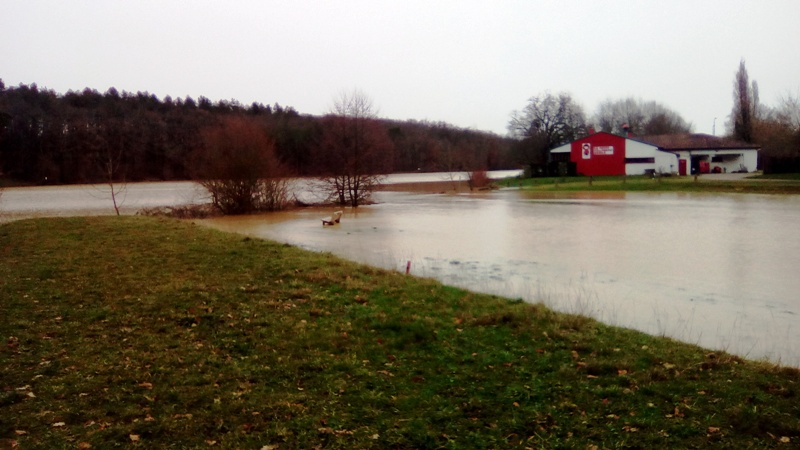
[716, 270]
[719, 270]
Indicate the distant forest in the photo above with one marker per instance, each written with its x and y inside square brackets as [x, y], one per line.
[51, 138]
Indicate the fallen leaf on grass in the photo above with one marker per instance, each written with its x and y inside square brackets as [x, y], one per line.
[329, 430]
[713, 430]
[785, 439]
[134, 437]
[146, 385]
[84, 445]
[58, 424]
[20, 432]
[269, 447]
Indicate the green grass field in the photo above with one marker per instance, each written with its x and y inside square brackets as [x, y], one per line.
[787, 184]
[156, 333]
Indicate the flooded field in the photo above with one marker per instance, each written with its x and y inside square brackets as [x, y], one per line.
[716, 270]
[719, 270]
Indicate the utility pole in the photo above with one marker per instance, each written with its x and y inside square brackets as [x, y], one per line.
[714, 127]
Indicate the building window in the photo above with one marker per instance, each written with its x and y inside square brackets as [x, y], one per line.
[640, 160]
[559, 157]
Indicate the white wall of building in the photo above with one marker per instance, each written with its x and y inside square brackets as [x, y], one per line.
[750, 160]
[730, 160]
[636, 149]
[663, 162]
[666, 162]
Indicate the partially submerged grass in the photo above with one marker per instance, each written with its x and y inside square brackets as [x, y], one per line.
[760, 185]
[155, 333]
[779, 176]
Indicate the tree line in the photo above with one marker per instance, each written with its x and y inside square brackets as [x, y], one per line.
[775, 128]
[90, 137]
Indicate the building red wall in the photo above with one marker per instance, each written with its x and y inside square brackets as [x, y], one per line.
[606, 155]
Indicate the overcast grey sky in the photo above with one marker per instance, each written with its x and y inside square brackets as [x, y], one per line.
[469, 63]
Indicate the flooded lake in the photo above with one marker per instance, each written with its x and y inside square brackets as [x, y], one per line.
[719, 270]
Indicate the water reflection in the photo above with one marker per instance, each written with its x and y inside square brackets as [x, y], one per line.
[717, 270]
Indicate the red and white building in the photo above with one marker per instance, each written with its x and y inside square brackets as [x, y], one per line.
[608, 154]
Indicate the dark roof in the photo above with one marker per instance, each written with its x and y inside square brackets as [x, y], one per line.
[693, 142]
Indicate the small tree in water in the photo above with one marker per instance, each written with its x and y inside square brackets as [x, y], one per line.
[354, 152]
[237, 165]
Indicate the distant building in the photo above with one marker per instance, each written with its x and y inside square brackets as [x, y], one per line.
[609, 154]
[702, 153]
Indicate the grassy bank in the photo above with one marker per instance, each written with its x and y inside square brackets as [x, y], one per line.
[759, 185]
[154, 333]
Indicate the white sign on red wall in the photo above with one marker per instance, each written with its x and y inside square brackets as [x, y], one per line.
[604, 150]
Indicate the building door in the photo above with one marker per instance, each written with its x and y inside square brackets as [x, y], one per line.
[682, 167]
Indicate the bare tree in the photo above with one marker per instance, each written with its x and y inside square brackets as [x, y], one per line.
[777, 131]
[111, 165]
[789, 110]
[109, 145]
[238, 167]
[354, 151]
[639, 117]
[546, 121]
